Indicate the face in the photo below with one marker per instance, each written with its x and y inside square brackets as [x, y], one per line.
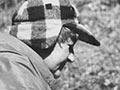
[58, 58]
[63, 50]
[62, 53]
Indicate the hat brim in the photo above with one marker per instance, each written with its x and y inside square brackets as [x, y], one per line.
[84, 34]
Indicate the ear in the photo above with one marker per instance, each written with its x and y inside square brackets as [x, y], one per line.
[84, 34]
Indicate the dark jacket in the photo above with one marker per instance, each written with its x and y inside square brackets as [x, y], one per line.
[21, 68]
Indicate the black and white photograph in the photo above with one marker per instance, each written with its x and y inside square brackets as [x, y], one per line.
[59, 44]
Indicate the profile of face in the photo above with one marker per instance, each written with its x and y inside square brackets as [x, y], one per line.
[59, 57]
[63, 50]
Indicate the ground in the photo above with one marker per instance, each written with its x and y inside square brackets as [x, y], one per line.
[95, 68]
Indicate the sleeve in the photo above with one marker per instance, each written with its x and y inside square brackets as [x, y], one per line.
[16, 73]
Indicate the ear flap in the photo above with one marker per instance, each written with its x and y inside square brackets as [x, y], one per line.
[84, 34]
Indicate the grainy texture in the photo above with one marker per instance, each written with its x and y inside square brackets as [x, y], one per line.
[95, 68]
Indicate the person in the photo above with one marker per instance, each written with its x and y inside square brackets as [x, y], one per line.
[34, 64]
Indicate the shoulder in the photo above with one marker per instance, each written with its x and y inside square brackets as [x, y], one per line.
[18, 72]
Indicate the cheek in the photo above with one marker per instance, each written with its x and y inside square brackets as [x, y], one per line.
[63, 53]
[59, 54]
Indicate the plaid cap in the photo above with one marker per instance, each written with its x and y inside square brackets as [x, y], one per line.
[38, 22]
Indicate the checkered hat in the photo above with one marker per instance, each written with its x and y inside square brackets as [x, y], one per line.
[38, 22]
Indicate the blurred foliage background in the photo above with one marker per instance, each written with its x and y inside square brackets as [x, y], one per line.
[95, 68]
